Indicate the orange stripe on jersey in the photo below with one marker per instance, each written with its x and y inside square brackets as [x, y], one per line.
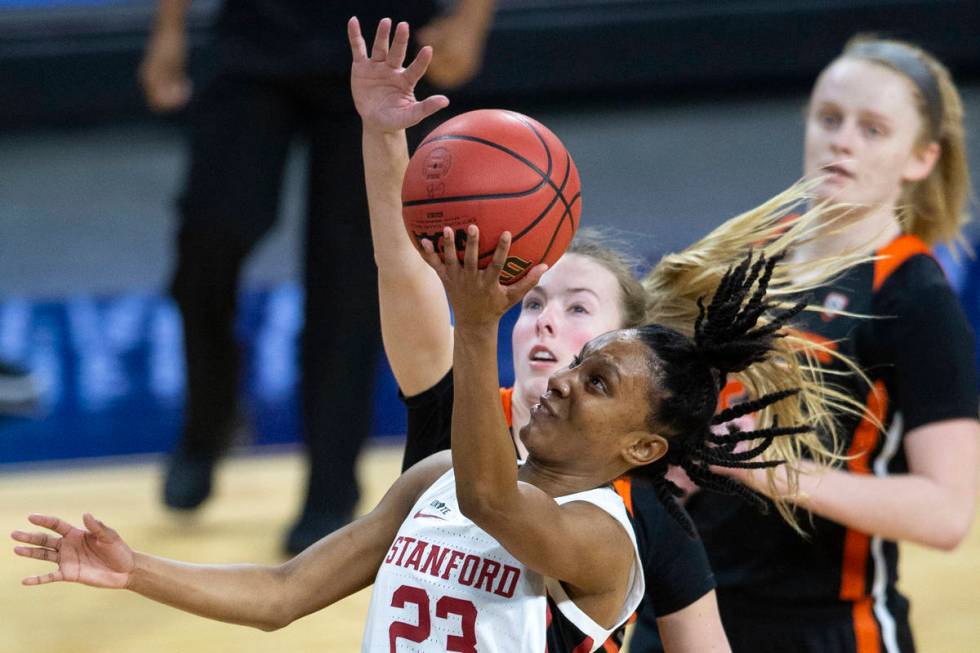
[733, 392]
[866, 635]
[823, 357]
[624, 488]
[894, 254]
[506, 396]
[856, 544]
[610, 646]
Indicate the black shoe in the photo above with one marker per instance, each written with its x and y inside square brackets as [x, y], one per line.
[310, 528]
[188, 481]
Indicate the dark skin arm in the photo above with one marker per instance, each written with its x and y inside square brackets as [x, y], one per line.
[265, 597]
[577, 543]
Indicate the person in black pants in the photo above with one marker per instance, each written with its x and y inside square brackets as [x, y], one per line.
[283, 72]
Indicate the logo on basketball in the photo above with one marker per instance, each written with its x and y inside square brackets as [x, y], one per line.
[501, 171]
[514, 267]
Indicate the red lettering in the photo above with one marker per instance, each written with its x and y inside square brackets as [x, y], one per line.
[434, 562]
[468, 571]
[394, 549]
[412, 632]
[488, 573]
[508, 582]
[454, 557]
[407, 541]
[415, 557]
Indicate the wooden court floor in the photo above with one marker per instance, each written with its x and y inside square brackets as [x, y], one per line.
[244, 522]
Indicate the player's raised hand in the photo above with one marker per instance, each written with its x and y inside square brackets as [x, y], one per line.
[96, 556]
[384, 90]
[476, 295]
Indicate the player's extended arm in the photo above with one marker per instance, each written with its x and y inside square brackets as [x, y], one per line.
[695, 628]
[415, 323]
[266, 597]
[933, 504]
[578, 542]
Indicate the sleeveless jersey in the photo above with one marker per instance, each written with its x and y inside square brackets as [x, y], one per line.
[916, 350]
[447, 585]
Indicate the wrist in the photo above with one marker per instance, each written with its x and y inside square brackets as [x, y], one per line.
[389, 138]
[137, 575]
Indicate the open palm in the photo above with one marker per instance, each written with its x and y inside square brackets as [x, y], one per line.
[96, 557]
[384, 91]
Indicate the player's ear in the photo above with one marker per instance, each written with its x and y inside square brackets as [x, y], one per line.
[644, 448]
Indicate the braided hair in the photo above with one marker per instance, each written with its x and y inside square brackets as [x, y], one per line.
[730, 335]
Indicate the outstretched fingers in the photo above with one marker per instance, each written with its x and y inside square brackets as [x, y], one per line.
[379, 49]
[53, 577]
[471, 253]
[59, 526]
[358, 48]
[46, 540]
[500, 254]
[37, 553]
[449, 257]
[399, 46]
[420, 64]
[97, 528]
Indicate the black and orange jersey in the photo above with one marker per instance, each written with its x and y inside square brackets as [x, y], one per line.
[917, 350]
[675, 565]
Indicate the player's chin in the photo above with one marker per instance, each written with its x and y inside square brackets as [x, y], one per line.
[532, 435]
[534, 379]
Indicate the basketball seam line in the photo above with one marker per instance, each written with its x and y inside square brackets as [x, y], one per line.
[497, 196]
[545, 179]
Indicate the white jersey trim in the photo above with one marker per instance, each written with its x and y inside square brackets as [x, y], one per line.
[879, 584]
[606, 499]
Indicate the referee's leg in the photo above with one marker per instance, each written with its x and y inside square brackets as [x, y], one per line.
[240, 133]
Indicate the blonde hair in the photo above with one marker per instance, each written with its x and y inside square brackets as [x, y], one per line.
[935, 208]
[679, 280]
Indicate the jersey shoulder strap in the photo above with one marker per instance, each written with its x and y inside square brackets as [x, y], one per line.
[506, 396]
[894, 254]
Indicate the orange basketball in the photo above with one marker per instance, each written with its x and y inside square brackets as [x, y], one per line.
[501, 171]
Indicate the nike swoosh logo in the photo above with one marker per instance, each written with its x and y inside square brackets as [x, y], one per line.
[426, 514]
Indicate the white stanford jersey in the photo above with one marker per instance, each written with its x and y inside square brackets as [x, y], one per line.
[446, 585]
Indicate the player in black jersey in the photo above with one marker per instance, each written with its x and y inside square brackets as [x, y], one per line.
[885, 133]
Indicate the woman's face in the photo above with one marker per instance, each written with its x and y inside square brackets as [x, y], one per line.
[575, 301]
[862, 132]
[598, 407]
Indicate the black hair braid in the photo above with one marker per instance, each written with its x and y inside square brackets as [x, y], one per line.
[754, 406]
[668, 493]
[727, 339]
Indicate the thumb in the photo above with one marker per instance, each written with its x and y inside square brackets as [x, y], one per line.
[429, 106]
[517, 290]
[97, 528]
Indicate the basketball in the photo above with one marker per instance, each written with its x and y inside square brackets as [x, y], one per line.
[501, 171]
